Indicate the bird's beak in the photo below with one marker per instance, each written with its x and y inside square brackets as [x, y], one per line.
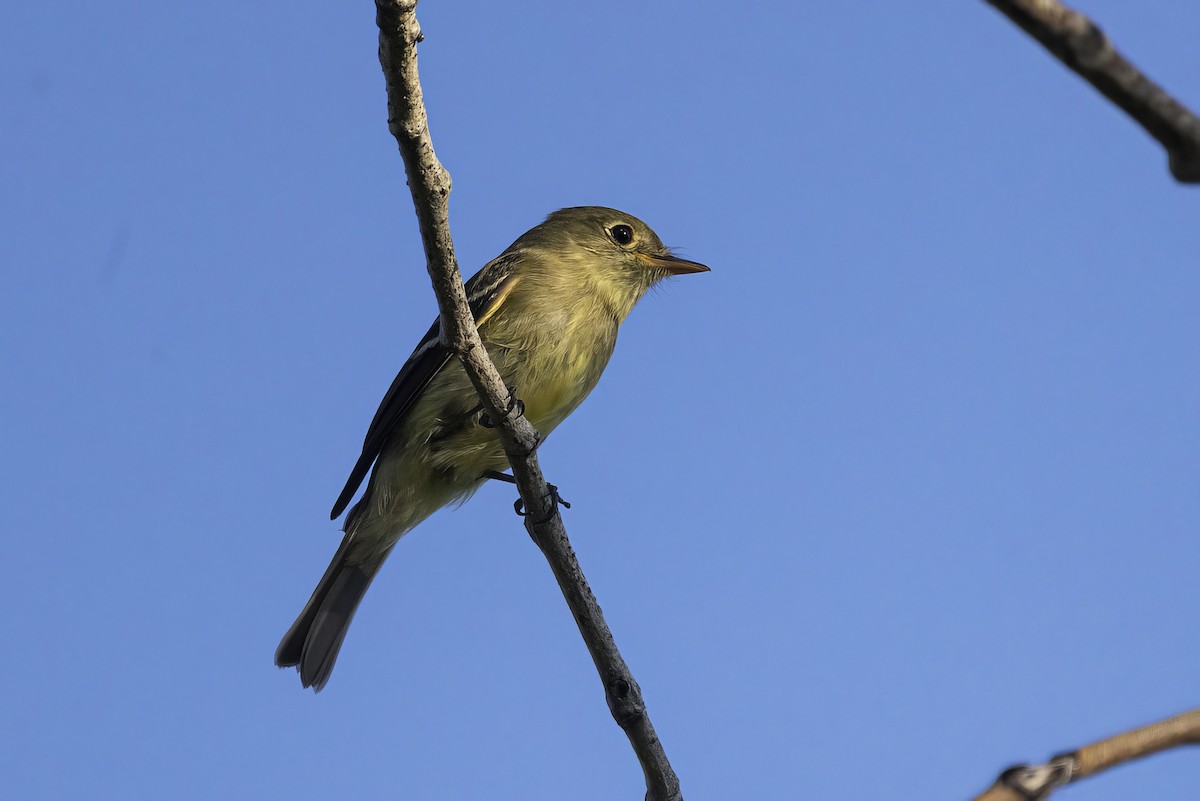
[671, 264]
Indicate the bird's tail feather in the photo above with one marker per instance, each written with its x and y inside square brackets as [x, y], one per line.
[312, 643]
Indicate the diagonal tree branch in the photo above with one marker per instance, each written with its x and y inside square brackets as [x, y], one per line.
[429, 183]
[1037, 782]
[1080, 44]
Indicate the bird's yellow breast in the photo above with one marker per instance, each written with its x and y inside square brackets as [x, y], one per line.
[556, 363]
[550, 393]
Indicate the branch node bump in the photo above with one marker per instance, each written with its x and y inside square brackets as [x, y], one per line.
[1035, 782]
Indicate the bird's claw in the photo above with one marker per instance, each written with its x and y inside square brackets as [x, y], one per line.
[555, 498]
[514, 404]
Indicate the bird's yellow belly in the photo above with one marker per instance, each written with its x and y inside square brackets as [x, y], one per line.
[549, 402]
[552, 393]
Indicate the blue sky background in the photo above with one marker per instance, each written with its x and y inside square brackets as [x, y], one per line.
[906, 490]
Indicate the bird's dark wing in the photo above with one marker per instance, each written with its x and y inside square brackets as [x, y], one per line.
[425, 362]
[486, 292]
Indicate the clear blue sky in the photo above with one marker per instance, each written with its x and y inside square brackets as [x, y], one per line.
[906, 490]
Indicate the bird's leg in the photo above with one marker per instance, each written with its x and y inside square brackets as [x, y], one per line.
[518, 504]
[555, 499]
[514, 404]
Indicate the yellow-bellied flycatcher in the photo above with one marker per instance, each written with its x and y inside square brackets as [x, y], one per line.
[548, 309]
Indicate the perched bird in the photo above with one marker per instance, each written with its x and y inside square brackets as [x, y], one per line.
[548, 309]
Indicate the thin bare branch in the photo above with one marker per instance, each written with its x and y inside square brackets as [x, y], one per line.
[429, 183]
[1170, 733]
[1037, 782]
[1080, 44]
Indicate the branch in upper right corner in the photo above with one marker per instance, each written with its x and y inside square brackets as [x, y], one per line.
[1080, 44]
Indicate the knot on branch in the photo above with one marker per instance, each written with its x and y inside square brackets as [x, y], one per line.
[624, 700]
[1035, 782]
[1092, 48]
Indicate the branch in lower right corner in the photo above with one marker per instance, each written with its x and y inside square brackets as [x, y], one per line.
[1037, 782]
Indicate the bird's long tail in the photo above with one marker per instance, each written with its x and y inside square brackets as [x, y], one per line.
[312, 643]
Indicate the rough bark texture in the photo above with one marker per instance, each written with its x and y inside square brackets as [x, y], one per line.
[1080, 44]
[429, 183]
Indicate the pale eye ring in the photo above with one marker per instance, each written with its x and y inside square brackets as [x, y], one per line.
[621, 234]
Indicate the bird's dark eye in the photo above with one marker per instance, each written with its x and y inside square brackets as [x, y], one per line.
[621, 234]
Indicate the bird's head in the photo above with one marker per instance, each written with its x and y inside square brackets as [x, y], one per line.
[608, 251]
